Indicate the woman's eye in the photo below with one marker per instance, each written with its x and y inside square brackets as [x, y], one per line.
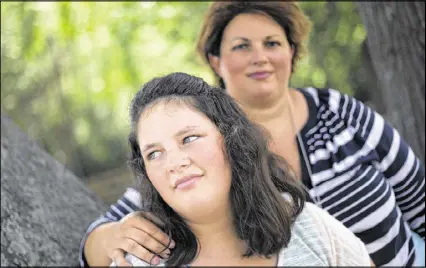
[242, 46]
[272, 43]
[190, 139]
[153, 155]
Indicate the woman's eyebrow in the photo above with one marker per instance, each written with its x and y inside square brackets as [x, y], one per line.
[248, 40]
[240, 38]
[271, 36]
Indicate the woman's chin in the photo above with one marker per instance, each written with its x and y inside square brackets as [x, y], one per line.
[265, 95]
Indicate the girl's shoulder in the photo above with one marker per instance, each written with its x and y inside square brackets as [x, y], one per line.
[318, 239]
[307, 245]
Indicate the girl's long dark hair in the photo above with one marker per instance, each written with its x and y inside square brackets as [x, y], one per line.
[262, 217]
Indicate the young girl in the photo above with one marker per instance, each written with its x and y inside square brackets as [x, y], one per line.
[206, 172]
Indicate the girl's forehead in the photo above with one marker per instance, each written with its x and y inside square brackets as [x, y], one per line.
[169, 114]
[167, 104]
[165, 121]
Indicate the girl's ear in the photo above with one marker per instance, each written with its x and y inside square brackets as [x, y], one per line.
[215, 64]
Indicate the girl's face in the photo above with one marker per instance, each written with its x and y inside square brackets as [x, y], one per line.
[183, 152]
[255, 59]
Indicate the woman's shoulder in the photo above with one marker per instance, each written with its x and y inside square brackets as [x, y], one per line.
[325, 96]
[334, 112]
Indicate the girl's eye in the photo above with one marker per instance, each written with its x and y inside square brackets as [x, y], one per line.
[153, 155]
[190, 139]
[272, 43]
[242, 46]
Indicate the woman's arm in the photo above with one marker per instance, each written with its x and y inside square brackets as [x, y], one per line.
[397, 161]
[123, 229]
[406, 175]
[94, 254]
[93, 226]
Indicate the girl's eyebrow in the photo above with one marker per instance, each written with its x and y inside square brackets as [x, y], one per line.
[149, 146]
[185, 130]
[179, 133]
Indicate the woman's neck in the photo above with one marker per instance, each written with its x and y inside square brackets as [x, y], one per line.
[275, 112]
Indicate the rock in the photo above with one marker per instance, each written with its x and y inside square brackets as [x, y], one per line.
[45, 209]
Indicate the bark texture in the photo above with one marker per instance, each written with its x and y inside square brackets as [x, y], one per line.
[396, 41]
[45, 209]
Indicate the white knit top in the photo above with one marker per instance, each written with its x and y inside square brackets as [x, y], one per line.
[317, 239]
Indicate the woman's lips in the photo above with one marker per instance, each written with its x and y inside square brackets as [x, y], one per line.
[260, 75]
[186, 184]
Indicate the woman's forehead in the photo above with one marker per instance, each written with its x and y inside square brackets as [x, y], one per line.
[252, 25]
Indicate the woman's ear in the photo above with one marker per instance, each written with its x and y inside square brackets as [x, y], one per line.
[293, 50]
[215, 64]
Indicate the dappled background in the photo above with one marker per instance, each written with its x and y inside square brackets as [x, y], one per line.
[69, 71]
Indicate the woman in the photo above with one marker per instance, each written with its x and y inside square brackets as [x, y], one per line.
[207, 173]
[353, 163]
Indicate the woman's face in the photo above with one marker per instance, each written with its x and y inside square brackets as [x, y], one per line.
[184, 158]
[255, 59]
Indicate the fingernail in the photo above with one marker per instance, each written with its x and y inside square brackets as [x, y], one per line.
[165, 256]
[172, 244]
[156, 260]
[167, 252]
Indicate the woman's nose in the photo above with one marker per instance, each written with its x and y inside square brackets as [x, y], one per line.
[258, 56]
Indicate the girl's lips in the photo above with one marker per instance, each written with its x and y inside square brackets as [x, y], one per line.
[188, 183]
[260, 75]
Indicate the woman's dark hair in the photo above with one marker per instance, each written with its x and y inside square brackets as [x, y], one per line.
[286, 13]
[262, 217]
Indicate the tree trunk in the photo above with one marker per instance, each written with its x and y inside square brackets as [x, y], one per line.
[45, 209]
[396, 40]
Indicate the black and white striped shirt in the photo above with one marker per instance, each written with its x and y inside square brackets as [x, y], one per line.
[363, 174]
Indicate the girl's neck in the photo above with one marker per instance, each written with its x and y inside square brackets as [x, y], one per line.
[219, 244]
[218, 238]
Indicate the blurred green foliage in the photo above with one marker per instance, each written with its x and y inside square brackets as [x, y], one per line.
[69, 69]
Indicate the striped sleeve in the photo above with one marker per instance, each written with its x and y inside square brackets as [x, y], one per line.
[397, 161]
[129, 202]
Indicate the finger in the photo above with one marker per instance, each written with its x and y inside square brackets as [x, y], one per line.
[148, 242]
[150, 216]
[117, 257]
[153, 230]
[147, 216]
[132, 247]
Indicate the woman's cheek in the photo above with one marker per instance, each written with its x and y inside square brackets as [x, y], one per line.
[235, 65]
